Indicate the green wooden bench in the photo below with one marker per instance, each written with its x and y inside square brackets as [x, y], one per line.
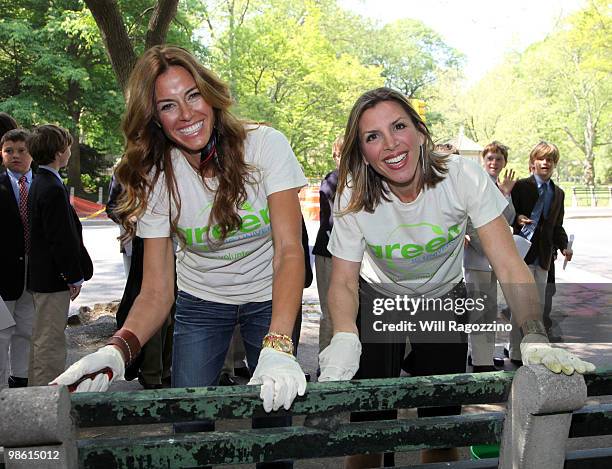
[593, 194]
[300, 442]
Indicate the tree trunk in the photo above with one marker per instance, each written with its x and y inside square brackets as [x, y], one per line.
[164, 13]
[114, 34]
[588, 175]
[589, 156]
[74, 165]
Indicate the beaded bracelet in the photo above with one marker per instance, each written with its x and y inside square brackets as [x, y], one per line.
[280, 342]
[127, 342]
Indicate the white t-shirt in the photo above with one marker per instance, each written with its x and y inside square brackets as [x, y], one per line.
[416, 248]
[239, 270]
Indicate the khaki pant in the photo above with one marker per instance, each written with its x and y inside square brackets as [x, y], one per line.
[48, 350]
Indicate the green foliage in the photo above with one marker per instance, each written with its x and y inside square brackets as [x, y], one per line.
[88, 183]
[92, 184]
[414, 62]
[557, 90]
[300, 65]
[54, 68]
[56, 71]
[284, 71]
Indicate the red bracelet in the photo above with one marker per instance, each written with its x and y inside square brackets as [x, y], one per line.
[127, 342]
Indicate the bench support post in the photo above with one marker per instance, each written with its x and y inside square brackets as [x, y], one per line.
[37, 428]
[538, 418]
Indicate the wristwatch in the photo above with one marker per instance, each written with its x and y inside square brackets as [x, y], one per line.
[533, 326]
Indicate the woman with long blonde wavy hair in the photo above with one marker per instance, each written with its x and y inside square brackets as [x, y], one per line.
[226, 191]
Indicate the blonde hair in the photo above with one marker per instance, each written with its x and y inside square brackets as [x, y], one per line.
[148, 149]
[542, 150]
[367, 185]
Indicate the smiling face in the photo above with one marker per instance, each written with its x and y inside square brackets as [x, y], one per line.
[493, 163]
[543, 166]
[16, 157]
[185, 117]
[390, 143]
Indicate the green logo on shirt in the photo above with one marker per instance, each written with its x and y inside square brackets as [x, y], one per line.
[250, 223]
[413, 250]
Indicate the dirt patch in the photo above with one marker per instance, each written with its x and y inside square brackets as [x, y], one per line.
[90, 328]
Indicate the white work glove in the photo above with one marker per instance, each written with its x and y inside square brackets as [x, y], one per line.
[108, 356]
[535, 349]
[281, 379]
[339, 361]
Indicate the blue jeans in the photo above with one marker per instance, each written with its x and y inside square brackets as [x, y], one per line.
[202, 335]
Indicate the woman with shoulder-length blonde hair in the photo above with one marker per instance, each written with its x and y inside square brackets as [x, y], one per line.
[397, 247]
[368, 187]
[226, 191]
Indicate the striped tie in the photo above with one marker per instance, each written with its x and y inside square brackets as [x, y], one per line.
[23, 211]
[527, 231]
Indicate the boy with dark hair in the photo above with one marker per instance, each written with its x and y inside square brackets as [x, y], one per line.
[17, 318]
[6, 123]
[59, 262]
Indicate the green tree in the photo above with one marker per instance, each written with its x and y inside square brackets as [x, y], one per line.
[412, 56]
[287, 73]
[55, 68]
[557, 90]
[59, 72]
[122, 43]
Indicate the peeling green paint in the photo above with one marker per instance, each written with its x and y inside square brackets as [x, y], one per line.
[177, 405]
[243, 446]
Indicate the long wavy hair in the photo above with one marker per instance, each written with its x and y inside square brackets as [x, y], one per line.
[148, 149]
[367, 185]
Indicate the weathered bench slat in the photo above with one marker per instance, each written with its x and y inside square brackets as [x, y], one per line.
[592, 421]
[188, 404]
[244, 446]
[598, 458]
[181, 405]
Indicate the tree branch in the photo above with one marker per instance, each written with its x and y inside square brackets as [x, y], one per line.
[164, 12]
[243, 14]
[209, 22]
[573, 139]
